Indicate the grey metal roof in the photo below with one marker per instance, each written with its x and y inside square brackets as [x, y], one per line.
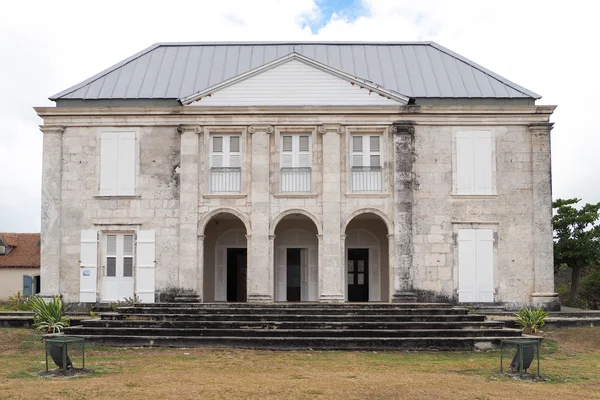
[178, 70]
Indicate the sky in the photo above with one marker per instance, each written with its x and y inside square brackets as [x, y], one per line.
[549, 47]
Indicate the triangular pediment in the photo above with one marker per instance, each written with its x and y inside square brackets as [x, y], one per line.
[295, 81]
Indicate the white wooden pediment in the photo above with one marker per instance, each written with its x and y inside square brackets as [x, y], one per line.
[295, 82]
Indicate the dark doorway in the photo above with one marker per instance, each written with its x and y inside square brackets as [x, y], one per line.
[293, 275]
[36, 284]
[236, 274]
[358, 275]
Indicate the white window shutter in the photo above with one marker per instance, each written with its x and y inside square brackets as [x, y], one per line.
[281, 275]
[304, 156]
[235, 155]
[464, 163]
[485, 265]
[374, 274]
[287, 151]
[313, 274]
[467, 266]
[126, 162]
[482, 162]
[145, 265]
[220, 274]
[88, 271]
[109, 166]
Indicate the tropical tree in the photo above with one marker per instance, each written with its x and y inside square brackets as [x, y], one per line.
[576, 238]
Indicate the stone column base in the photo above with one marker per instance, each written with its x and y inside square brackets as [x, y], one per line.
[404, 297]
[547, 301]
[332, 298]
[260, 298]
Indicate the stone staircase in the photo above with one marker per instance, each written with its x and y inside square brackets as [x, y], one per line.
[364, 326]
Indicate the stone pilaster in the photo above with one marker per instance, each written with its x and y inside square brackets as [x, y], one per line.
[331, 258]
[51, 234]
[188, 207]
[543, 255]
[200, 273]
[401, 269]
[260, 270]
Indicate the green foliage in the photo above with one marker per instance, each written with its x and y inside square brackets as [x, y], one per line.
[531, 320]
[19, 302]
[590, 289]
[577, 238]
[49, 317]
[93, 314]
[126, 302]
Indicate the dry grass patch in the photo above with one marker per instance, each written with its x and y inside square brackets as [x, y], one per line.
[570, 359]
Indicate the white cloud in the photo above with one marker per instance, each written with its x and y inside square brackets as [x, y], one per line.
[546, 46]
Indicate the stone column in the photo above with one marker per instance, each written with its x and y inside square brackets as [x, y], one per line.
[331, 273]
[188, 207]
[51, 234]
[260, 265]
[543, 255]
[401, 269]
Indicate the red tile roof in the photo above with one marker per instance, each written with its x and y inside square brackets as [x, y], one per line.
[25, 252]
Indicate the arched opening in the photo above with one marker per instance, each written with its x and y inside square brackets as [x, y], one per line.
[296, 259]
[225, 259]
[367, 261]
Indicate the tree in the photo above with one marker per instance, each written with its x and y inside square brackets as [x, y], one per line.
[577, 238]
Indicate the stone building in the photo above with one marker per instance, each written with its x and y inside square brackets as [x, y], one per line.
[325, 172]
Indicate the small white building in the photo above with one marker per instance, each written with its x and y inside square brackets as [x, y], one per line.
[324, 172]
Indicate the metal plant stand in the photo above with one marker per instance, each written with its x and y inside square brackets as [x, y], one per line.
[63, 342]
[522, 346]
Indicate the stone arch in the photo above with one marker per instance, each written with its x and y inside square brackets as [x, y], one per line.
[386, 220]
[285, 213]
[223, 210]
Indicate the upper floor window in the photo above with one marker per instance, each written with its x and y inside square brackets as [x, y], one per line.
[366, 163]
[474, 162]
[117, 163]
[296, 163]
[225, 163]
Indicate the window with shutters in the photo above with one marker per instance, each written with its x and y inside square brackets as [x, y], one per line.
[474, 165]
[117, 163]
[366, 163]
[225, 163]
[296, 163]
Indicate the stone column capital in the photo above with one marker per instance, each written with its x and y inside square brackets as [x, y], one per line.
[323, 129]
[201, 237]
[271, 237]
[189, 128]
[403, 128]
[58, 129]
[260, 128]
[541, 128]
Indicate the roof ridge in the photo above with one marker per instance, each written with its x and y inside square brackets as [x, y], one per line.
[485, 71]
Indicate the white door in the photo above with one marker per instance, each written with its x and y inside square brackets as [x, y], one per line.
[475, 265]
[117, 282]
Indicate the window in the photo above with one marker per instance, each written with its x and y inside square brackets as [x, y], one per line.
[225, 163]
[296, 162]
[366, 163]
[117, 163]
[474, 164]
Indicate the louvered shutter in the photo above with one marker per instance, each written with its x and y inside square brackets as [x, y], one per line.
[126, 164]
[482, 162]
[109, 157]
[145, 265]
[88, 266]
[220, 274]
[27, 285]
[374, 274]
[464, 163]
[281, 275]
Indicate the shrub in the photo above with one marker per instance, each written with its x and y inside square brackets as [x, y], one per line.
[531, 320]
[19, 302]
[590, 289]
[49, 317]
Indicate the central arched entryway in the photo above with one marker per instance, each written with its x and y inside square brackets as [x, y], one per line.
[225, 259]
[367, 258]
[296, 259]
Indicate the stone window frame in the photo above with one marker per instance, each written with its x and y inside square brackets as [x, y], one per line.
[386, 158]
[275, 160]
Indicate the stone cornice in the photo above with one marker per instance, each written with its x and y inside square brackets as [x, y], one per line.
[260, 128]
[189, 128]
[541, 128]
[58, 129]
[403, 128]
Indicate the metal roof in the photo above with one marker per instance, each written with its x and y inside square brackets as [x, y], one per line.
[179, 70]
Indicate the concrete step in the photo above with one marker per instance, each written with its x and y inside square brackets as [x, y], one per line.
[283, 333]
[293, 318]
[304, 343]
[295, 324]
[303, 304]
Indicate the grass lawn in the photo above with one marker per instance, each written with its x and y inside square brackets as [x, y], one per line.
[570, 363]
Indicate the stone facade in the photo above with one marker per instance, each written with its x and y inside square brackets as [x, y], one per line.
[416, 215]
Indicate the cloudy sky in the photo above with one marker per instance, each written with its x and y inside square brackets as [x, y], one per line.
[46, 46]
